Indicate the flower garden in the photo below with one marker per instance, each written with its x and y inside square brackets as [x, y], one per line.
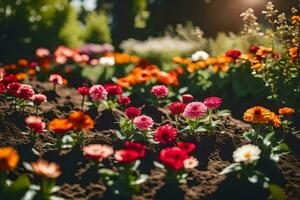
[97, 123]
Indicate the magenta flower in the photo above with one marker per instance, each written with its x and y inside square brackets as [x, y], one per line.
[98, 93]
[195, 110]
[25, 92]
[212, 102]
[143, 122]
[39, 98]
[160, 91]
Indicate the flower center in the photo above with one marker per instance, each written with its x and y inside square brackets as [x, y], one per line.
[248, 154]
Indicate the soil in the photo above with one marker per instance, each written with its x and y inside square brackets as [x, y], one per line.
[80, 181]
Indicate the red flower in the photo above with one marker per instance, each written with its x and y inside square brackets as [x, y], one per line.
[136, 146]
[113, 89]
[126, 155]
[173, 157]
[13, 87]
[25, 92]
[10, 78]
[83, 90]
[35, 124]
[212, 102]
[2, 88]
[124, 100]
[234, 54]
[176, 108]
[165, 134]
[186, 146]
[186, 98]
[132, 112]
[253, 48]
[159, 91]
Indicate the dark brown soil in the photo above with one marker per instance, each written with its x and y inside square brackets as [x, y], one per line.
[80, 181]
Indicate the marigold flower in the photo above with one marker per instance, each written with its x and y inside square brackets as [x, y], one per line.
[98, 93]
[113, 89]
[35, 124]
[246, 154]
[126, 155]
[39, 98]
[136, 146]
[186, 98]
[124, 100]
[25, 92]
[286, 111]
[143, 122]
[13, 87]
[60, 125]
[83, 90]
[46, 169]
[195, 110]
[176, 108]
[165, 134]
[173, 157]
[258, 114]
[132, 112]
[97, 152]
[212, 102]
[81, 121]
[160, 91]
[9, 158]
[56, 79]
[190, 163]
[186, 146]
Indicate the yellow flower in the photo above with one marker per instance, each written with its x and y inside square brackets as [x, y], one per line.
[9, 158]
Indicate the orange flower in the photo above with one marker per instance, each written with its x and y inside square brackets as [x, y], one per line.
[286, 111]
[293, 53]
[258, 66]
[21, 76]
[295, 19]
[258, 114]
[23, 62]
[276, 120]
[60, 125]
[46, 169]
[81, 121]
[143, 76]
[9, 158]
[263, 52]
[123, 82]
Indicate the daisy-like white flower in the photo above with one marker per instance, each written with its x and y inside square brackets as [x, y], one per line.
[199, 55]
[246, 154]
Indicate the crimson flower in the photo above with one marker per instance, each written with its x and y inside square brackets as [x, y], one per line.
[136, 146]
[176, 108]
[132, 112]
[126, 155]
[173, 157]
[234, 54]
[186, 146]
[113, 89]
[83, 90]
[124, 100]
[165, 134]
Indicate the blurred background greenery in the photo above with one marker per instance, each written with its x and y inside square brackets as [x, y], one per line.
[28, 24]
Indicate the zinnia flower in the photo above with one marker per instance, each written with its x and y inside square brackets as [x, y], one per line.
[195, 110]
[124, 100]
[56, 79]
[46, 169]
[143, 122]
[190, 163]
[126, 155]
[98, 93]
[234, 54]
[212, 102]
[186, 146]
[132, 112]
[36, 124]
[2, 88]
[13, 87]
[113, 89]
[83, 90]
[39, 98]
[258, 114]
[25, 92]
[97, 152]
[160, 91]
[246, 154]
[173, 157]
[186, 98]
[136, 146]
[165, 134]
[81, 121]
[9, 158]
[176, 108]
[60, 125]
[286, 111]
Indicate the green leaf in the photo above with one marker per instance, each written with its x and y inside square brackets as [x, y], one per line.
[141, 179]
[269, 138]
[276, 192]
[107, 172]
[249, 135]
[231, 168]
[158, 165]
[18, 187]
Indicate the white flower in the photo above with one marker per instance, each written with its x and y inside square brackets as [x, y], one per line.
[108, 61]
[199, 55]
[190, 163]
[246, 154]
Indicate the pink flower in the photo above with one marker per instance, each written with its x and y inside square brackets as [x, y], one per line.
[25, 92]
[46, 169]
[186, 98]
[97, 152]
[83, 90]
[13, 87]
[98, 93]
[190, 163]
[132, 112]
[113, 89]
[35, 124]
[212, 102]
[56, 79]
[165, 134]
[42, 52]
[195, 110]
[39, 98]
[159, 91]
[234, 54]
[143, 122]
[176, 108]
[124, 100]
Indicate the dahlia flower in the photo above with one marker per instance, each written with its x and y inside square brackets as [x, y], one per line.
[246, 154]
[97, 152]
[195, 110]
[143, 122]
[98, 93]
